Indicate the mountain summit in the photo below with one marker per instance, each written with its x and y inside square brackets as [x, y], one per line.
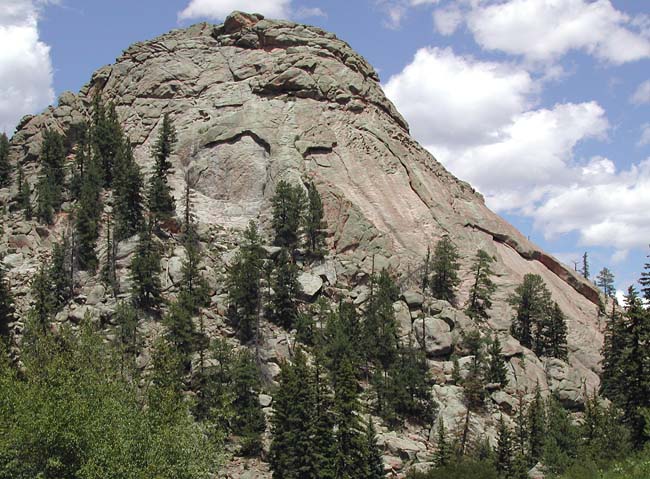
[257, 101]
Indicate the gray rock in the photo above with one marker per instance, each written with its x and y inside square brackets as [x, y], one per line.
[310, 285]
[265, 400]
[413, 298]
[327, 271]
[434, 334]
[95, 295]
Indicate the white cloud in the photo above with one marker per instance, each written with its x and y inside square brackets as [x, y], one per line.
[220, 9]
[396, 10]
[545, 30]
[25, 66]
[480, 119]
[448, 19]
[641, 94]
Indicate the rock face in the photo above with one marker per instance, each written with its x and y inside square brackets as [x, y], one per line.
[255, 101]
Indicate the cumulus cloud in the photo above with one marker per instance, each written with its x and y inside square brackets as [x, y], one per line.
[482, 121]
[645, 135]
[220, 9]
[641, 94]
[448, 19]
[25, 66]
[545, 30]
[396, 10]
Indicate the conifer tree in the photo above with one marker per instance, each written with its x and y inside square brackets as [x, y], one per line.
[288, 208]
[644, 281]
[536, 420]
[373, 458]
[43, 301]
[106, 138]
[561, 438]
[380, 325]
[160, 199]
[194, 290]
[342, 337]
[128, 199]
[145, 270]
[88, 217]
[52, 176]
[5, 166]
[480, 294]
[284, 308]
[249, 420]
[497, 371]
[314, 222]
[444, 277]
[554, 335]
[79, 134]
[585, 265]
[443, 453]
[6, 305]
[60, 273]
[504, 451]
[126, 319]
[532, 302]
[243, 283]
[605, 281]
[181, 332]
[24, 194]
[109, 271]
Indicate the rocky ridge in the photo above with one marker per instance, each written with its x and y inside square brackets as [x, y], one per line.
[256, 101]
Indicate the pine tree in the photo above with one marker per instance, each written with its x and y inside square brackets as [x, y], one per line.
[480, 294]
[5, 166]
[24, 194]
[43, 301]
[443, 454]
[194, 290]
[106, 137]
[109, 270]
[536, 420]
[585, 265]
[555, 335]
[88, 217]
[126, 319]
[52, 176]
[380, 325]
[644, 281]
[497, 371]
[532, 302]
[6, 305]
[145, 270]
[128, 200]
[79, 134]
[288, 208]
[314, 223]
[561, 438]
[60, 273]
[504, 452]
[249, 422]
[243, 283]
[444, 277]
[373, 458]
[605, 281]
[181, 332]
[284, 308]
[160, 199]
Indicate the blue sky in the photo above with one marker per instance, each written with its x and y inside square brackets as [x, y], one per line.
[543, 105]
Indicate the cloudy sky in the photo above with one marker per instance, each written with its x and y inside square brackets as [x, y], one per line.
[543, 105]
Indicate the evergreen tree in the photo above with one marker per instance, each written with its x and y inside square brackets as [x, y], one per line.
[6, 306]
[52, 176]
[342, 337]
[314, 223]
[160, 199]
[88, 217]
[284, 308]
[443, 454]
[109, 271]
[24, 194]
[60, 273]
[605, 281]
[480, 294]
[561, 438]
[380, 325]
[444, 277]
[497, 371]
[614, 353]
[585, 265]
[145, 270]
[373, 458]
[194, 290]
[248, 422]
[243, 283]
[127, 194]
[43, 301]
[5, 166]
[504, 451]
[79, 135]
[288, 208]
[555, 335]
[536, 420]
[644, 281]
[126, 319]
[532, 302]
[181, 332]
[107, 138]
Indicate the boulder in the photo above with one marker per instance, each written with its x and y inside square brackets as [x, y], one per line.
[434, 334]
[400, 446]
[327, 271]
[310, 285]
[413, 298]
[265, 400]
[96, 294]
[569, 382]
